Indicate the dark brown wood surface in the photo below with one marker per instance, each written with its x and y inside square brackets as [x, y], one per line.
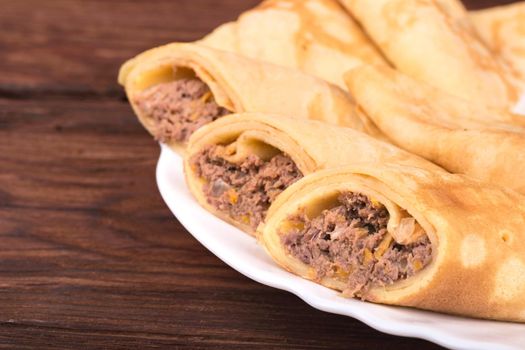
[90, 257]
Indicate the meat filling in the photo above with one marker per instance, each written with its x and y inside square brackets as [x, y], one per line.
[244, 191]
[350, 242]
[178, 108]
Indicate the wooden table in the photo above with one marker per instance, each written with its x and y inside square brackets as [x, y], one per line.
[90, 257]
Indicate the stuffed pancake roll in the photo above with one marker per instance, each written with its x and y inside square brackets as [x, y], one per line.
[176, 89]
[318, 37]
[483, 143]
[433, 41]
[405, 236]
[238, 165]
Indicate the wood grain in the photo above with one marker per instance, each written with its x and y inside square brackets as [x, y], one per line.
[75, 47]
[90, 256]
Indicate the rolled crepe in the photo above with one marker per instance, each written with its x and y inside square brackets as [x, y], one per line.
[433, 41]
[464, 138]
[502, 28]
[404, 236]
[236, 166]
[177, 88]
[316, 36]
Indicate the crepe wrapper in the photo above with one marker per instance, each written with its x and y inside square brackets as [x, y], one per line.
[484, 143]
[502, 28]
[435, 42]
[476, 231]
[316, 36]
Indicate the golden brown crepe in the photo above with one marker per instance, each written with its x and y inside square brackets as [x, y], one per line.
[433, 41]
[239, 84]
[315, 36]
[477, 265]
[464, 138]
[502, 28]
[311, 145]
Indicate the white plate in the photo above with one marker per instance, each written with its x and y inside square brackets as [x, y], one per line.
[242, 252]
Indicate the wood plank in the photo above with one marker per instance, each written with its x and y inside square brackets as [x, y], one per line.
[481, 4]
[75, 47]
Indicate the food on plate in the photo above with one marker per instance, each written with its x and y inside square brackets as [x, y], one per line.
[238, 165]
[401, 235]
[367, 145]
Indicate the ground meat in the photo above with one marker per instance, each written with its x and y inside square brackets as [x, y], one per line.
[345, 242]
[246, 190]
[178, 108]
